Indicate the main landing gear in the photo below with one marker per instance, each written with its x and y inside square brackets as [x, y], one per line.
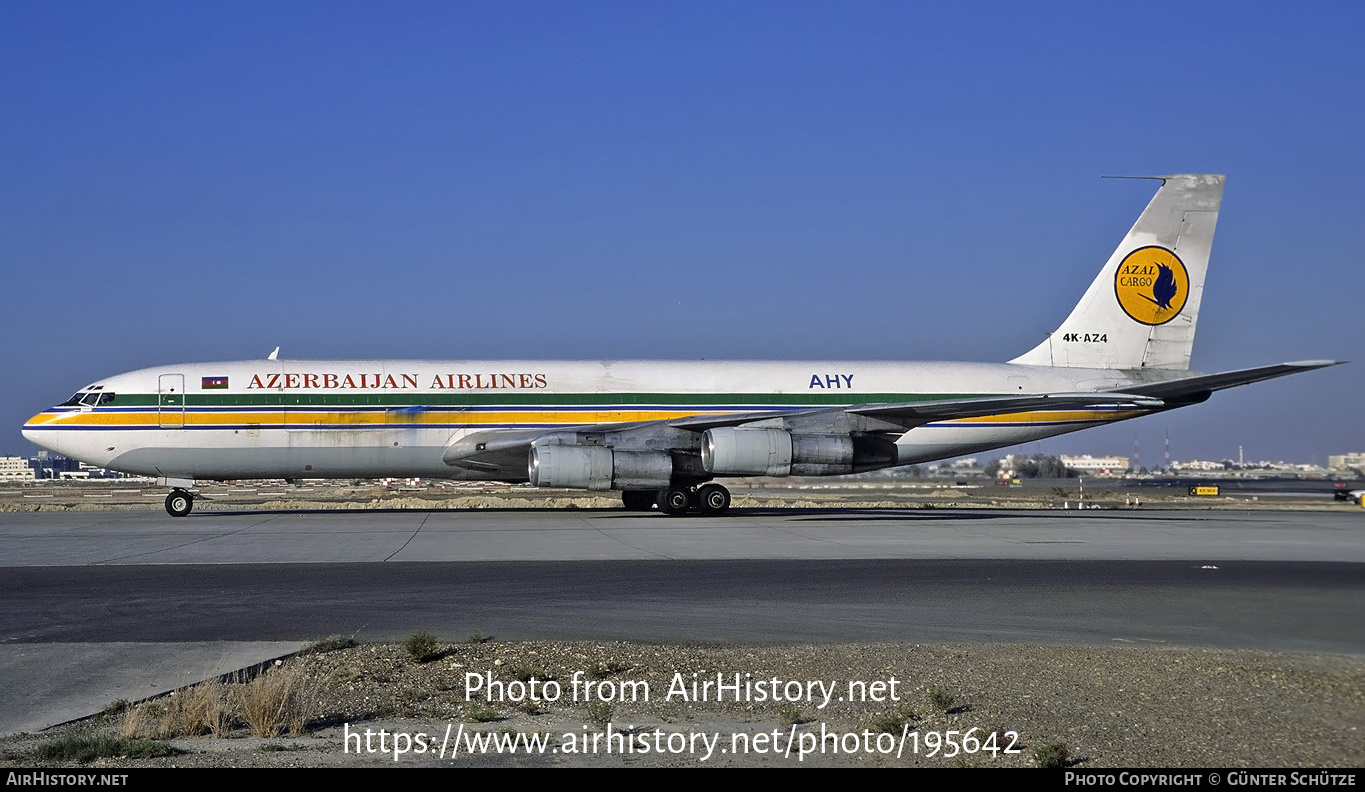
[711, 500]
[179, 503]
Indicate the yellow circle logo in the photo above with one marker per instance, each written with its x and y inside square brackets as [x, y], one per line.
[1152, 285]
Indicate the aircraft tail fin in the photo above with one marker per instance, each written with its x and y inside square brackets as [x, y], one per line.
[1140, 311]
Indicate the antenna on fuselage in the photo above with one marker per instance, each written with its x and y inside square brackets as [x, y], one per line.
[274, 355]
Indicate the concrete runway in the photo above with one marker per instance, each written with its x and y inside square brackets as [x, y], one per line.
[92, 582]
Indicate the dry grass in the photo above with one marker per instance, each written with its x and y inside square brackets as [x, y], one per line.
[207, 710]
[277, 701]
[939, 698]
[273, 703]
[422, 647]
[87, 748]
[790, 715]
[478, 712]
[1052, 754]
[601, 713]
[306, 706]
[191, 712]
[142, 720]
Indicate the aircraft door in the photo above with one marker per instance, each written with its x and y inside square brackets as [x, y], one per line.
[170, 401]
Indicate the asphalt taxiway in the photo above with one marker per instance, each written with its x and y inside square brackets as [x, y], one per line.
[95, 538]
[114, 587]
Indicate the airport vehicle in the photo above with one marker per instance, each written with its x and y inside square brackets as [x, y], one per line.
[664, 432]
[1354, 496]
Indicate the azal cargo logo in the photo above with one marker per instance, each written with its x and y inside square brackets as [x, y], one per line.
[1152, 285]
[214, 383]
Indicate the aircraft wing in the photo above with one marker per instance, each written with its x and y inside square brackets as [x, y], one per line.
[912, 414]
[1196, 389]
[504, 451]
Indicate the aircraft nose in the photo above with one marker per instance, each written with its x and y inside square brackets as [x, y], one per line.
[32, 429]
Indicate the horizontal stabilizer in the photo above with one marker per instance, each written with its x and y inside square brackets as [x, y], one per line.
[1205, 384]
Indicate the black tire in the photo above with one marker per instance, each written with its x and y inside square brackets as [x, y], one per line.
[179, 503]
[638, 500]
[713, 499]
[674, 501]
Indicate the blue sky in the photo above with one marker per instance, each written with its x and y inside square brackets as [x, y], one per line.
[193, 181]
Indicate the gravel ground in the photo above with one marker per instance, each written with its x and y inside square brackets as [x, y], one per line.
[1125, 706]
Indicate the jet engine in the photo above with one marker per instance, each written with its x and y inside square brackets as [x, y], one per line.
[740, 451]
[599, 468]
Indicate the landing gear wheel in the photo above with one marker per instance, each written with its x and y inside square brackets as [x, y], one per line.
[714, 499]
[674, 501]
[638, 500]
[179, 503]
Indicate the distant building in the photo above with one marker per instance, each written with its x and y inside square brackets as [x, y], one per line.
[47, 465]
[1346, 461]
[1096, 466]
[15, 469]
[1200, 464]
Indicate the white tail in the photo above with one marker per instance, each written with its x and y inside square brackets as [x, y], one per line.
[1141, 310]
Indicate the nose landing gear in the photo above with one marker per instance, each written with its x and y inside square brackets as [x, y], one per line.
[179, 503]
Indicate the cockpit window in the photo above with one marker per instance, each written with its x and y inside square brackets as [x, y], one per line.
[89, 399]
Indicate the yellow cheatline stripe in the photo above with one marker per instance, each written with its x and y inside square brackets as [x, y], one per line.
[491, 416]
[1053, 416]
[151, 418]
[573, 417]
[377, 418]
[358, 418]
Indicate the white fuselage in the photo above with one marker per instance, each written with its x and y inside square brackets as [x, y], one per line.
[343, 419]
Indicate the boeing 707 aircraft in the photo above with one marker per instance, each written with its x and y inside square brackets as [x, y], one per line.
[664, 432]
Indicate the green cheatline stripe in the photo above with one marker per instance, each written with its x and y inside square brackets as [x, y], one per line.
[491, 398]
